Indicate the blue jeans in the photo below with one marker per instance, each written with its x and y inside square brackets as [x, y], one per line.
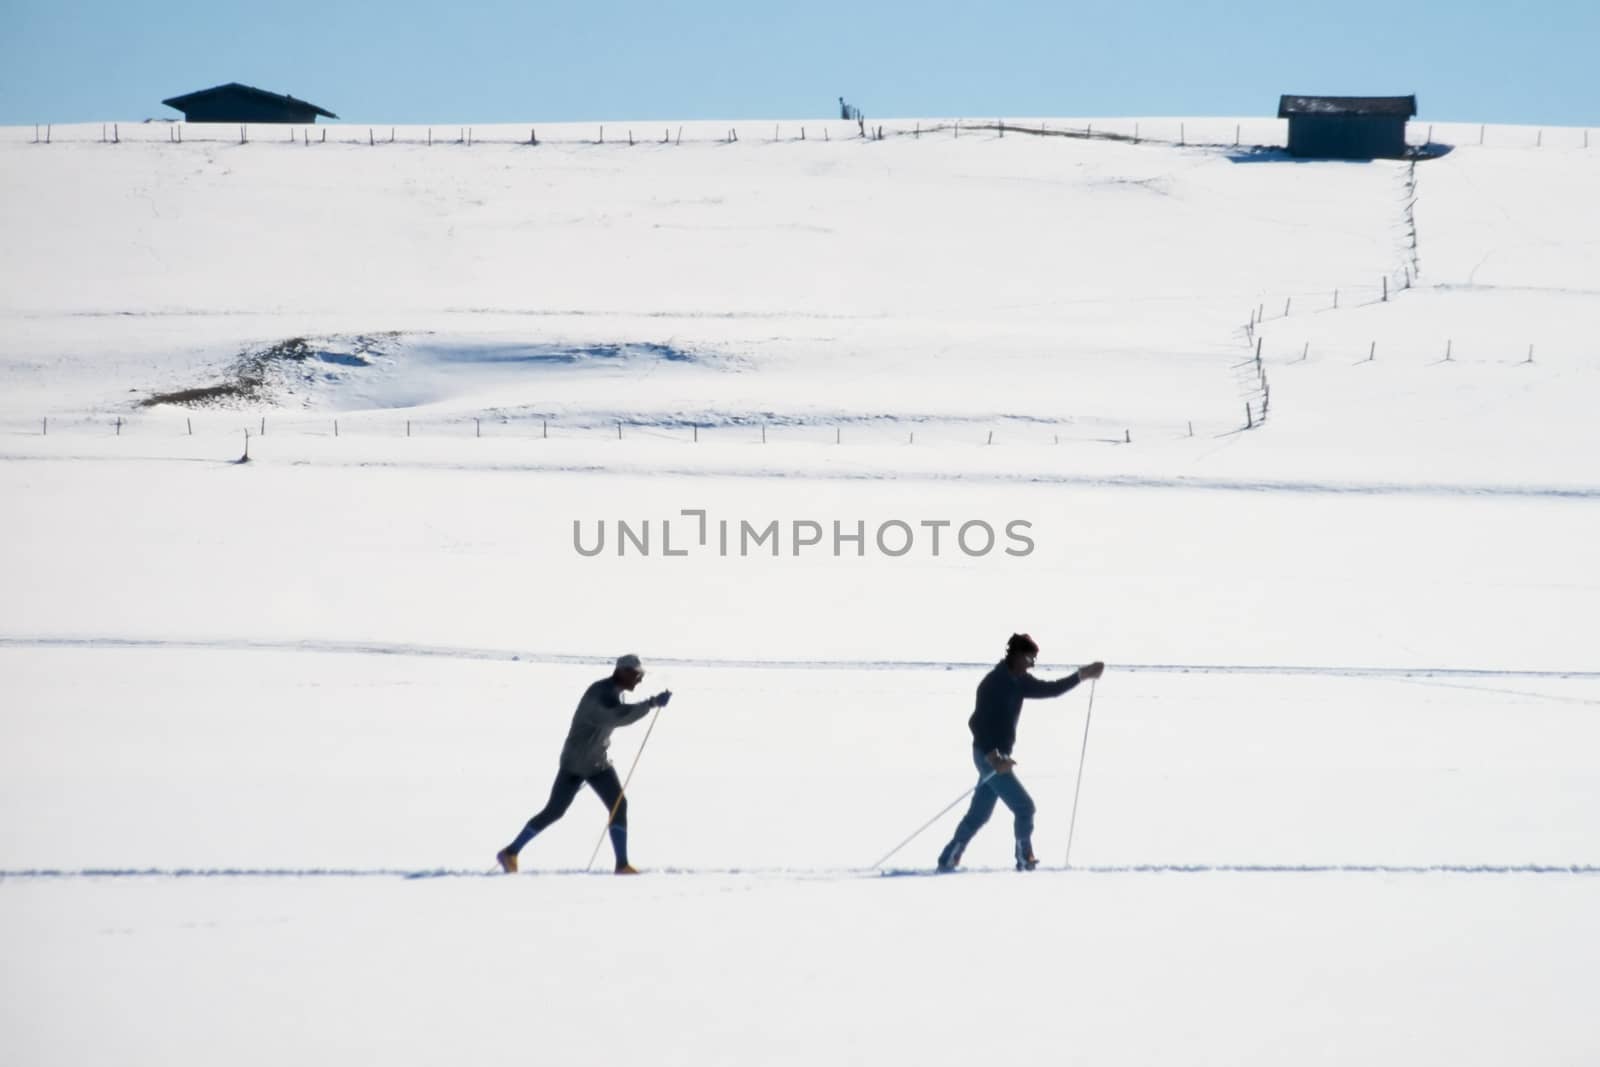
[1004, 787]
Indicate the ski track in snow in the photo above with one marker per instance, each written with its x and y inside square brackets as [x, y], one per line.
[1262, 485]
[788, 874]
[374, 648]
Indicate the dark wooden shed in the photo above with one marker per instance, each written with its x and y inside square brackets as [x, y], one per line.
[1347, 127]
[243, 103]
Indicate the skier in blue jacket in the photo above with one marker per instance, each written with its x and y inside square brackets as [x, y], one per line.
[585, 760]
[994, 733]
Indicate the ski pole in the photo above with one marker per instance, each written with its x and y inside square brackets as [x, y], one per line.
[620, 796]
[981, 783]
[1082, 755]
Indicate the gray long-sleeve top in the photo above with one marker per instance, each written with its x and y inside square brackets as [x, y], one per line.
[600, 711]
[999, 705]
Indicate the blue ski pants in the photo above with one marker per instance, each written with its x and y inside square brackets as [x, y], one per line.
[997, 787]
[562, 792]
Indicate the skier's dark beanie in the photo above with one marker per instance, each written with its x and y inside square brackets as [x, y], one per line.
[1022, 643]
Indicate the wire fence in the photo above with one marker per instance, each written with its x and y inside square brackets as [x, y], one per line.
[878, 430]
[1202, 132]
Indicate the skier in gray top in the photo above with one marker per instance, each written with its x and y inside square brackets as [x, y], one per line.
[584, 760]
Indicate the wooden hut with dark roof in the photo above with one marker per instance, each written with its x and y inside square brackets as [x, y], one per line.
[244, 103]
[1347, 127]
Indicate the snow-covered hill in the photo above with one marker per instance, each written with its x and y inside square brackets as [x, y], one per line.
[1264, 435]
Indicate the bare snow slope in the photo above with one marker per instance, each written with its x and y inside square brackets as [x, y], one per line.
[263, 726]
[1095, 290]
[1107, 278]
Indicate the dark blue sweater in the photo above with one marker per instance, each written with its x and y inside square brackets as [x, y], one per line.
[1000, 697]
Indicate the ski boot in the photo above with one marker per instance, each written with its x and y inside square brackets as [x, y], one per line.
[950, 858]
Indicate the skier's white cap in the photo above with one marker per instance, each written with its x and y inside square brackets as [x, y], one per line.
[630, 662]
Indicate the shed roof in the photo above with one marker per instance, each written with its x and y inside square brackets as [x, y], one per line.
[1392, 106]
[182, 102]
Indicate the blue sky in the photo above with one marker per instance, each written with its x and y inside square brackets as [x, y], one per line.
[408, 62]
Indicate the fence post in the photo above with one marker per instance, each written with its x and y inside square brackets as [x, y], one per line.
[45, 430]
[1530, 354]
[1372, 352]
[189, 422]
[1249, 422]
[1386, 288]
[477, 427]
[1447, 346]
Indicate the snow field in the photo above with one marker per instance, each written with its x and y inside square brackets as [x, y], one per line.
[262, 727]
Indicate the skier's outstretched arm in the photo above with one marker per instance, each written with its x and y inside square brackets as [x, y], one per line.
[625, 713]
[1034, 688]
